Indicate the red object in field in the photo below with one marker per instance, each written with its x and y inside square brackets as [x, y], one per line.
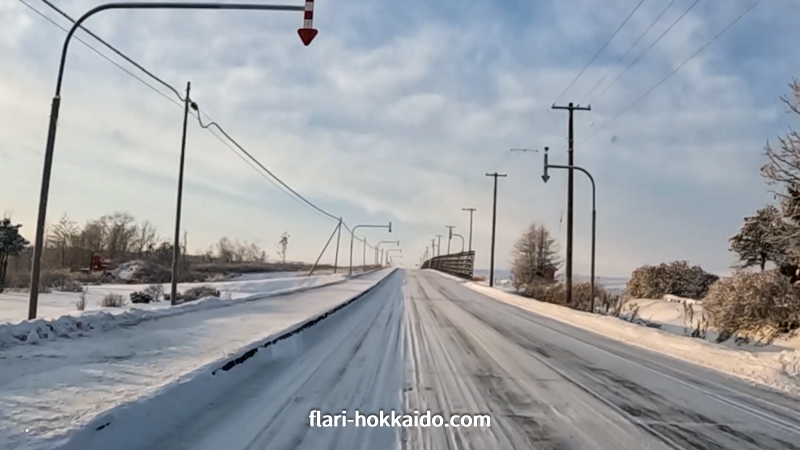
[97, 262]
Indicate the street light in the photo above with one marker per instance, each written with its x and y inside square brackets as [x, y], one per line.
[353, 234]
[306, 33]
[471, 211]
[397, 243]
[546, 177]
[389, 251]
[462, 241]
[449, 236]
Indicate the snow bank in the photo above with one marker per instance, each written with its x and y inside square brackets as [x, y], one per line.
[78, 324]
[777, 365]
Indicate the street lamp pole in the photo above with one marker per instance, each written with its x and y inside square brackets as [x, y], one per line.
[449, 236]
[353, 234]
[397, 243]
[471, 211]
[546, 177]
[462, 241]
[306, 33]
[391, 250]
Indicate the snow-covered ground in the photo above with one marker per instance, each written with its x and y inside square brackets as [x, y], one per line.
[776, 365]
[51, 389]
[14, 305]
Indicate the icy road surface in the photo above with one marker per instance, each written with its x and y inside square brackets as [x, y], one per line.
[420, 341]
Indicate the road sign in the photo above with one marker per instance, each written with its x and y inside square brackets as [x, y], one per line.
[308, 32]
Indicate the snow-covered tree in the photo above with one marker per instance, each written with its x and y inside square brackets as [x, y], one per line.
[783, 170]
[11, 244]
[756, 241]
[535, 256]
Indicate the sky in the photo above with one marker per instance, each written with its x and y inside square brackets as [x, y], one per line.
[398, 110]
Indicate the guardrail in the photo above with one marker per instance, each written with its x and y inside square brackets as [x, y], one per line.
[458, 264]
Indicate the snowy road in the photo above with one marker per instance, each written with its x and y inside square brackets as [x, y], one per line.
[420, 341]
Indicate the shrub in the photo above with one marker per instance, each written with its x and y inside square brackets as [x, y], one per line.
[155, 291]
[675, 278]
[113, 301]
[197, 293]
[141, 297]
[556, 293]
[53, 278]
[70, 285]
[751, 303]
[81, 303]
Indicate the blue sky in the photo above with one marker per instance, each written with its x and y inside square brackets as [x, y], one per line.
[397, 111]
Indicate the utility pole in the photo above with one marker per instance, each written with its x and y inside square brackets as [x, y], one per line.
[471, 210]
[439, 245]
[433, 248]
[494, 224]
[449, 236]
[338, 236]
[570, 186]
[173, 298]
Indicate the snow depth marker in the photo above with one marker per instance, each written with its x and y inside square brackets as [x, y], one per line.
[308, 32]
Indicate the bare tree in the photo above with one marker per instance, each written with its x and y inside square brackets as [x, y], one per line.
[225, 249]
[63, 235]
[147, 238]
[120, 231]
[283, 245]
[783, 163]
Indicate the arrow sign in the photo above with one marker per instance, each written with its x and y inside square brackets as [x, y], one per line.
[307, 35]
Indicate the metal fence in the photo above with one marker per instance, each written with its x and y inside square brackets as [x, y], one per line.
[458, 264]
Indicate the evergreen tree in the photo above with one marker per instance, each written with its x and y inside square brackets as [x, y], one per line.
[11, 244]
[756, 241]
[535, 256]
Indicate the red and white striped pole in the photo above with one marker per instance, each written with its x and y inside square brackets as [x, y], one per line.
[308, 32]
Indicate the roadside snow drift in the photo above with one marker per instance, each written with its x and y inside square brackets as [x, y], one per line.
[775, 366]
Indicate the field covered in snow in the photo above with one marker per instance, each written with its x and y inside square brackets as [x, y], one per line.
[14, 304]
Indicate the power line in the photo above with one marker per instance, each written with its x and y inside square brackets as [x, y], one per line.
[257, 162]
[669, 5]
[674, 71]
[601, 49]
[646, 50]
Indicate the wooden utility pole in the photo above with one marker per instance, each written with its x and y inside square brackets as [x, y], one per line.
[570, 184]
[494, 223]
